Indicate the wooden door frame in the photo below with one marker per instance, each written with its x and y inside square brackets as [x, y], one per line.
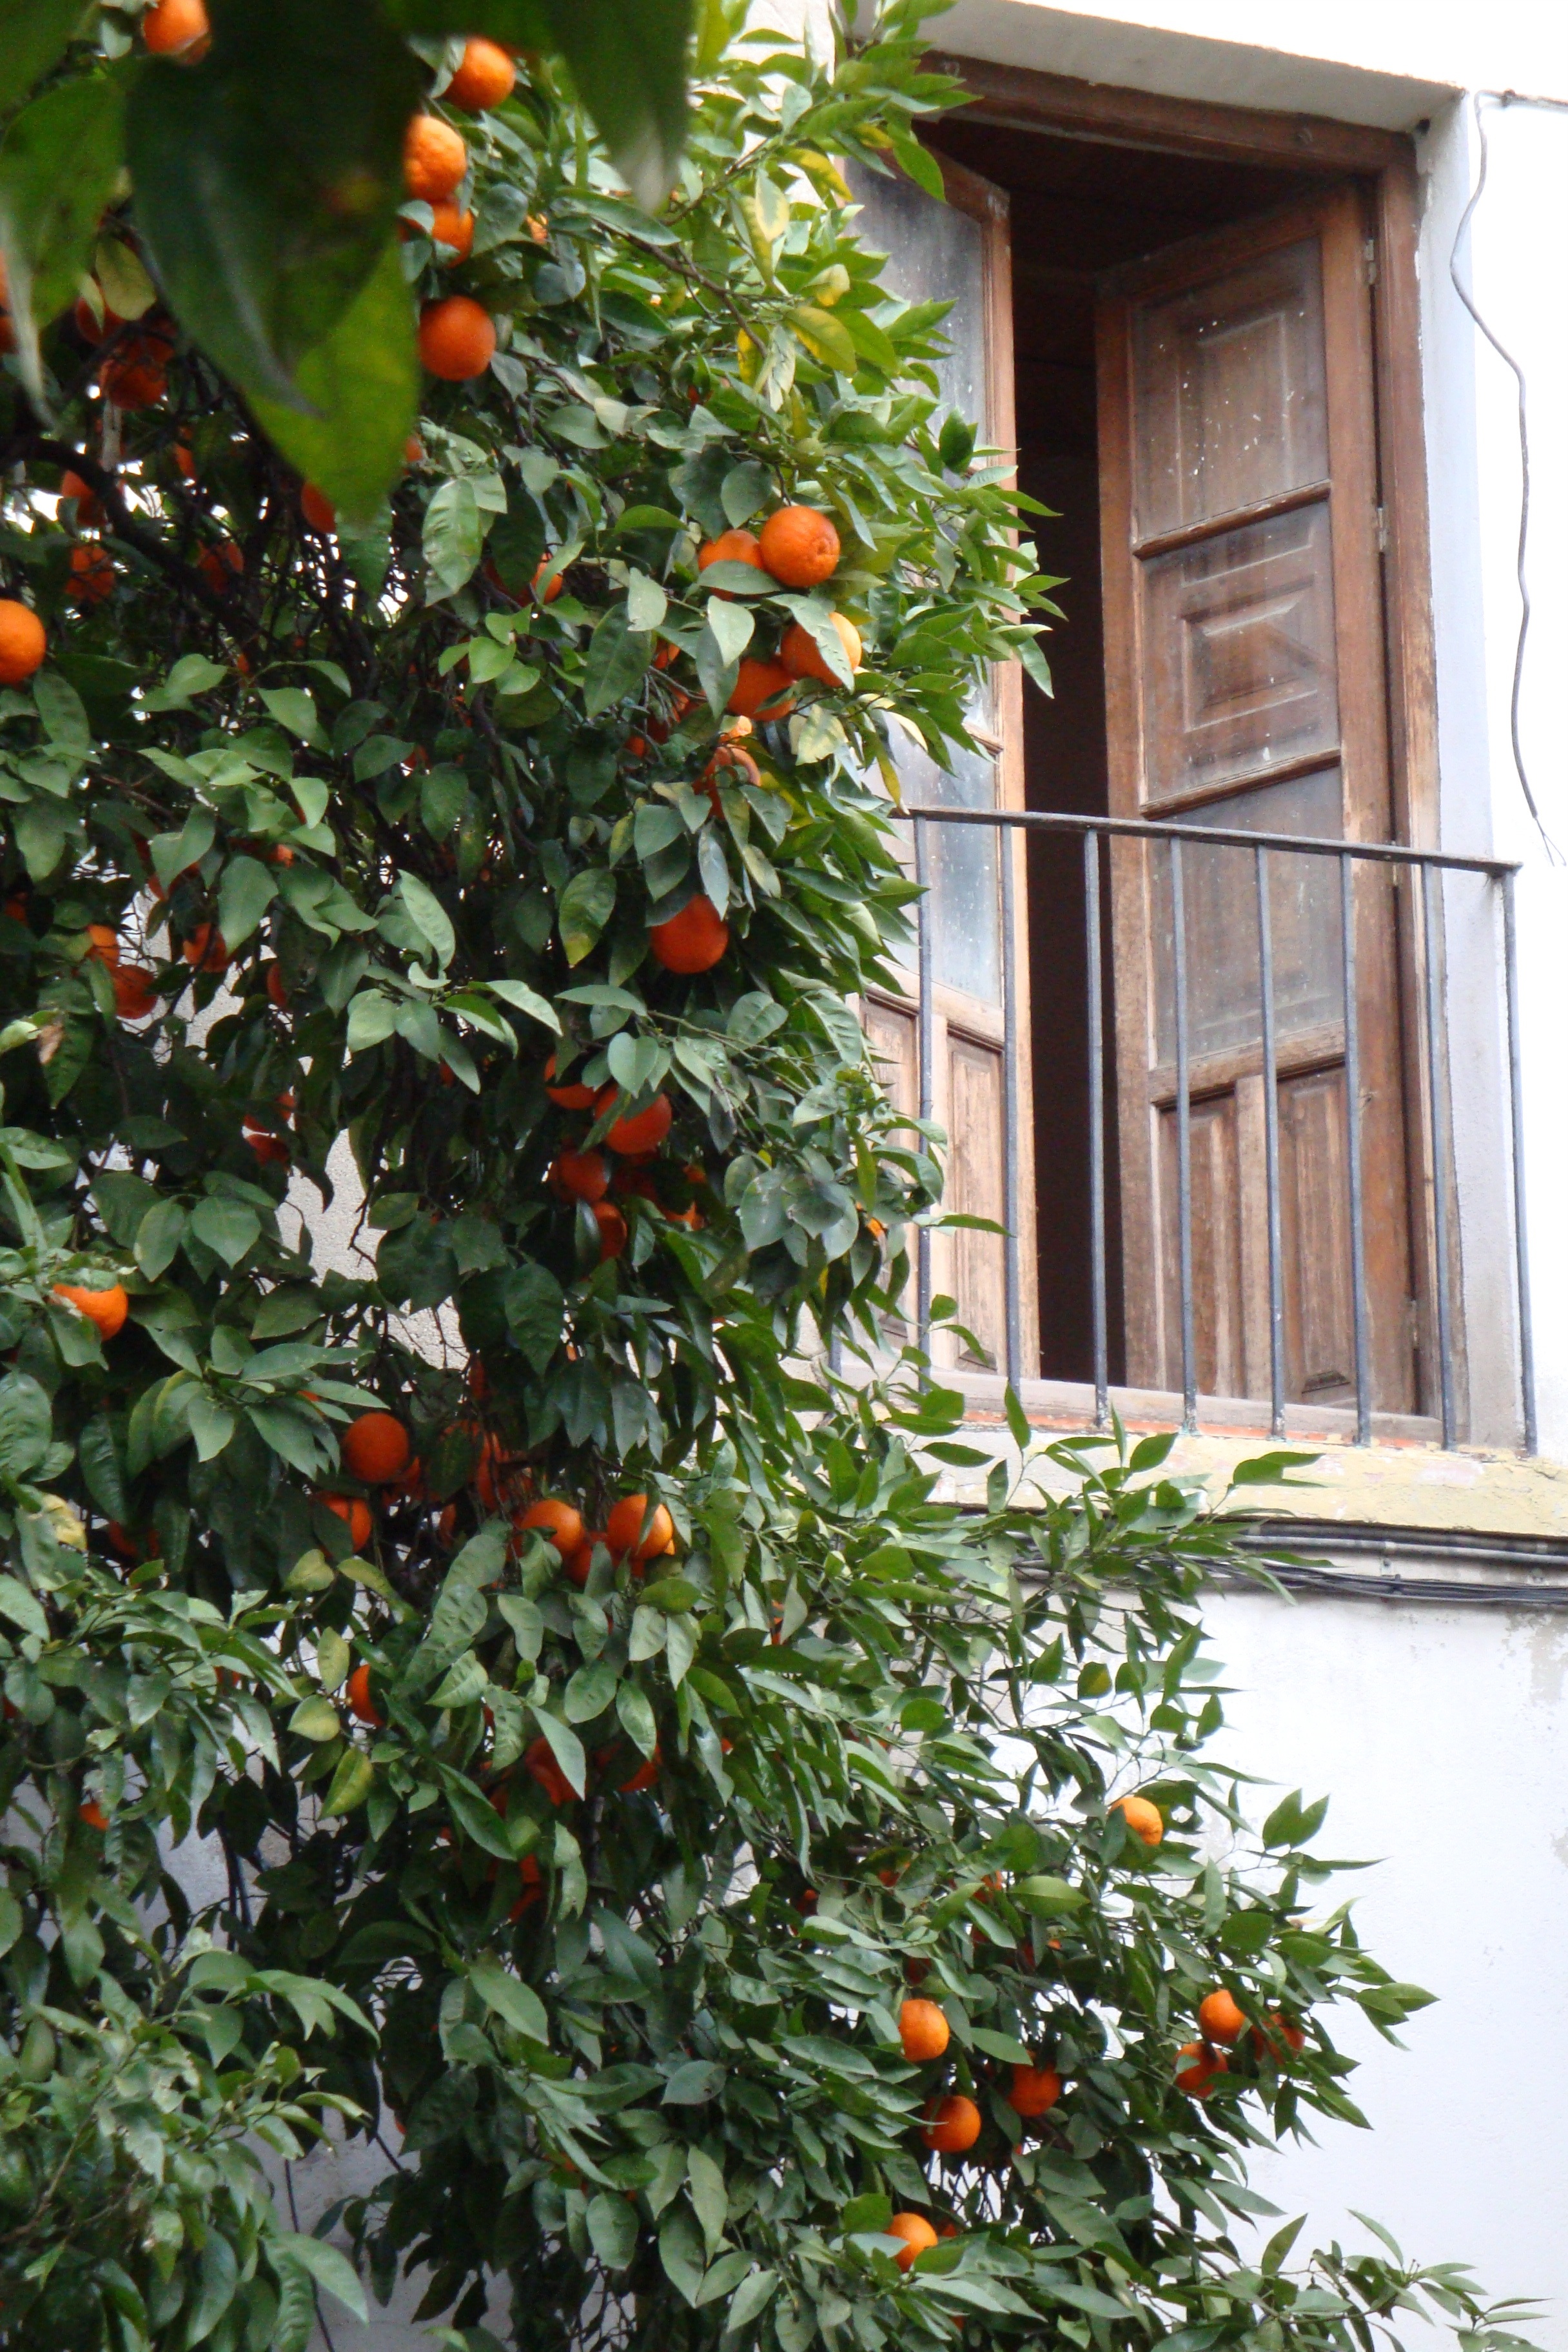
[1021, 98]
[1025, 99]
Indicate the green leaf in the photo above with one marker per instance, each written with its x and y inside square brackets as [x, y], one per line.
[351, 1784]
[637, 1716]
[710, 2198]
[585, 907]
[754, 2294]
[158, 1238]
[327, 2267]
[454, 537]
[428, 917]
[58, 166]
[294, 708]
[566, 1747]
[22, 1608]
[33, 33]
[315, 1718]
[619, 656]
[535, 1308]
[825, 336]
[26, 1424]
[246, 892]
[212, 1426]
[518, 2003]
[589, 1692]
[219, 2277]
[268, 176]
[226, 1227]
[523, 999]
[363, 383]
[1047, 1897]
[612, 2230]
[680, 2251]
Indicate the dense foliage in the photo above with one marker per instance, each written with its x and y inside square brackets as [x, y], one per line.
[599, 1867]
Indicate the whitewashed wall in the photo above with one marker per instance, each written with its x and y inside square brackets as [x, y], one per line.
[1440, 1734]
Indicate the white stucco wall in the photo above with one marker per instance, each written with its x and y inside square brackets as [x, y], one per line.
[1440, 1734]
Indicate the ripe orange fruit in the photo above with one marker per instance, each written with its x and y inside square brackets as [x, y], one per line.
[952, 2124]
[485, 78]
[318, 508]
[220, 566]
[539, 1762]
[185, 463]
[104, 946]
[731, 547]
[354, 1513]
[23, 643]
[92, 575]
[1219, 2018]
[573, 1095]
[923, 2030]
[762, 682]
[528, 1872]
[89, 514]
[276, 987]
[121, 1542]
[1144, 1820]
[624, 1529]
[799, 546]
[579, 1176]
[456, 338]
[136, 374]
[376, 1448]
[916, 2232]
[559, 1523]
[612, 1230]
[174, 27]
[268, 1147]
[135, 992]
[582, 1560]
[692, 941]
[434, 159]
[1035, 2091]
[803, 657]
[643, 1130]
[1283, 2038]
[454, 228]
[1202, 2065]
[205, 949]
[106, 1308]
[93, 1814]
[359, 1698]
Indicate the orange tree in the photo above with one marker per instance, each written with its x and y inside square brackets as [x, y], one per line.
[751, 1900]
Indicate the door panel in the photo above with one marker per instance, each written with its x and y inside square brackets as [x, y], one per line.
[960, 253]
[1245, 690]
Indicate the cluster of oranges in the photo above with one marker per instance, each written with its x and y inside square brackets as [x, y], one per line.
[456, 334]
[952, 2124]
[634, 1140]
[799, 548]
[636, 1530]
[1222, 2022]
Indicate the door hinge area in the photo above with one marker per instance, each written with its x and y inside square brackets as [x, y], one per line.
[1369, 260]
[1380, 515]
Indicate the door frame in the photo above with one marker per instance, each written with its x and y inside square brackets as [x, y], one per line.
[1024, 98]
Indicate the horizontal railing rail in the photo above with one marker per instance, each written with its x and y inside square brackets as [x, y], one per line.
[1429, 868]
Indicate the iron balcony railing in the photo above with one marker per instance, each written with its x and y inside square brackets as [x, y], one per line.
[1425, 875]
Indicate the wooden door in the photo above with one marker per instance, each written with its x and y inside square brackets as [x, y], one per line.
[1244, 637]
[959, 252]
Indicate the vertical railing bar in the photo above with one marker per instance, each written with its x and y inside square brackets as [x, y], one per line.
[1272, 1152]
[1439, 1148]
[1012, 1213]
[926, 1055]
[1095, 1131]
[1352, 1152]
[1183, 1143]
[1520, 1230]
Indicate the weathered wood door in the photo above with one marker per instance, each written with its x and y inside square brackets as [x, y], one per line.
[960, 253]
[1243, 636]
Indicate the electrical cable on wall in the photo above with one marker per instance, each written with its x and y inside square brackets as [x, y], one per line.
[1504, 98]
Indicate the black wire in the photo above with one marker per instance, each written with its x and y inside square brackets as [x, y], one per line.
[1508, 97]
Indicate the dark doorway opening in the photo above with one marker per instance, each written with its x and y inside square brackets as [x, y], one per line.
[1080, 207]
